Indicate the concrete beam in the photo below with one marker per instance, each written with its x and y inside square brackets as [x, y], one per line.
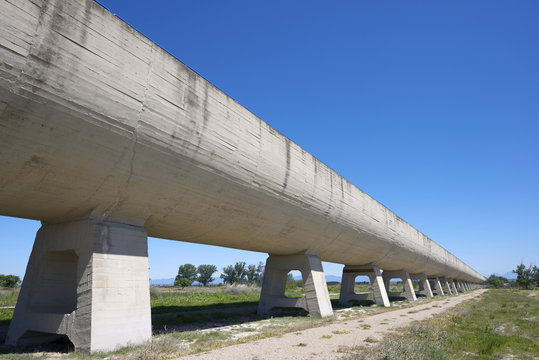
[436, 285]
[350, 272]
[88, 280]
[316, 300]
[131, 132]
[408, 288]
[424, 286]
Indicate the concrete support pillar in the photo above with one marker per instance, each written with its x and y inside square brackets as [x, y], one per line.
[436, 285]
[349, 274]
[459, 285]
[408, 288]
[445, 285]
[424, 286]
[88, 280]
[316, 300]
[453, 287]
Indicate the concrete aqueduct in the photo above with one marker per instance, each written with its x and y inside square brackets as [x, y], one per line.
[107, 139]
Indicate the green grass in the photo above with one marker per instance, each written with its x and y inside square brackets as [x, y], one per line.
[295, 292]
[204, 299]
[182, 332]
[361, 288]
[160, 324]
[7, 298]
[500, 323]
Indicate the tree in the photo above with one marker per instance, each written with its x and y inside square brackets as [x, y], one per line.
[524, 276]
[228, 275]
[234, 274]
[9, 281]
[204, 274]
[186, 271]
[254, 273]
[183, 282]
[291, 283]
[535, 275]
[495, 281]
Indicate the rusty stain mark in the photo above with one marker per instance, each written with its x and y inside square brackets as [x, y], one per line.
[34, 160]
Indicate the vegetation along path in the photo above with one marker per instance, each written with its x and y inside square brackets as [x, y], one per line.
[335, 340]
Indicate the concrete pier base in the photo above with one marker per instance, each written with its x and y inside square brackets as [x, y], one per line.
[424, 286]
[408, 288]
[349, 274]
[453, 287]
[316, 300]
[445, 285]
[88, 280]
[436, 285]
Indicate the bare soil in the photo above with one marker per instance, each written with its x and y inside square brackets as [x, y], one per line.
[335, 340]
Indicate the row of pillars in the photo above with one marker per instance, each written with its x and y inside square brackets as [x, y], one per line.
[316, 300]
[89, 280]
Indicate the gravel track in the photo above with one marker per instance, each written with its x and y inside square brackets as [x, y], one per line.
[335, 340]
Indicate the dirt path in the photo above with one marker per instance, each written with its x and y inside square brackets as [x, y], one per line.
[335, 340]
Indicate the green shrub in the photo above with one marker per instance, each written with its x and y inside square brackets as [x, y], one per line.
[183, 282]
[9, 281]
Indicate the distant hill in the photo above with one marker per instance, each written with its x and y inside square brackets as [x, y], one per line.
[165, 282]
[170, 282]
[333, 278]
[329, 278]
[508, 275]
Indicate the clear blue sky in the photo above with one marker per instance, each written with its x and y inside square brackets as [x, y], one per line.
[431, 107]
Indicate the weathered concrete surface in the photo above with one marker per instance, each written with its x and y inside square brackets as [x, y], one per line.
[98, 121]
[453, 287]
[436, 285]
[316, 300]
[379, 291]
[88, 280]
[424, 285]
[407, 286]
[445, 285]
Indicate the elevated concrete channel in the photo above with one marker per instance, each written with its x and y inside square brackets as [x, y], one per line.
[107, 139]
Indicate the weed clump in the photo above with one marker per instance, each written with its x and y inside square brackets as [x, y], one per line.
[163, 347]
[501, 322]
[240, 289]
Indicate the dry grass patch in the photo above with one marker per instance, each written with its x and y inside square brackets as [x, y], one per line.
[493, 327]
